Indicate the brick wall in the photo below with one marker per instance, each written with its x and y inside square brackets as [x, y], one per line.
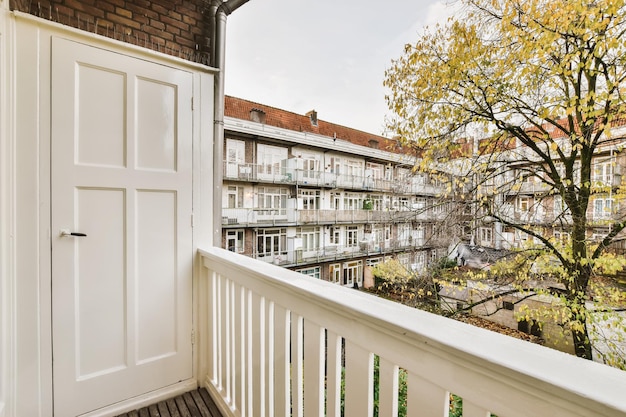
[175, 27]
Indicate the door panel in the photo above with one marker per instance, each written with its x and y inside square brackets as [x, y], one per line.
[100, 282]
[121, 175]
[156, 312]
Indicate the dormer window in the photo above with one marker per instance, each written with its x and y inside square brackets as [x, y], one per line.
[257, 115]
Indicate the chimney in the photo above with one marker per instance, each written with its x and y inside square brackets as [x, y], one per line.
[313, 116]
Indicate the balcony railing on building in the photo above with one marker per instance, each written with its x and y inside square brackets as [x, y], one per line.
[285, 174]
[283, 216]
[275, 342]
[296, 254]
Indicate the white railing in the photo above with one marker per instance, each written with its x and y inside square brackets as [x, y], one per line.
[273, 342]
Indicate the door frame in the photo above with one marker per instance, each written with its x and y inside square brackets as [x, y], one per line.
[26, 388]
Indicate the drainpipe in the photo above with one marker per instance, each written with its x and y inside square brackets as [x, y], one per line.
[222, 10]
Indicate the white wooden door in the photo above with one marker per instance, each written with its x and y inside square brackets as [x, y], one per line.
[121, 175]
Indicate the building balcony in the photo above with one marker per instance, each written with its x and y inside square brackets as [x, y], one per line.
[328, 253]
[238, 217]
[274, 342]
[288, 174]
[529, 188]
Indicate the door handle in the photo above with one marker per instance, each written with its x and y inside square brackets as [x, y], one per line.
[67, 233]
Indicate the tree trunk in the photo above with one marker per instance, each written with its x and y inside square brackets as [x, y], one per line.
[582, 345]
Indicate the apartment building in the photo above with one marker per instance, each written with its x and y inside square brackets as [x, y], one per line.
[323, 199]
[521, 196]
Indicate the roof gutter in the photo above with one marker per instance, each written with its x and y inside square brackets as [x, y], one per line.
[220, 11]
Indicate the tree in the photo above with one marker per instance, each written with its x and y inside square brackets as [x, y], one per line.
[542, 81]
[395, 281]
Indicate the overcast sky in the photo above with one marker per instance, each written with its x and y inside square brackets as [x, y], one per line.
[323, 55]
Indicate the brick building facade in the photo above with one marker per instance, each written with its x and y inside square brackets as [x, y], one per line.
[180, 28]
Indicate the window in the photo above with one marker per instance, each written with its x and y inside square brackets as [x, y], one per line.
[404, 232]
[310, 167]
[335, 200]
[418, 234]
[271, 242]
[602, 208]
[269, 158]
[562, 237]
[335, 235]
[352, 236]
[235, 240]
[420, 259]
[372, 261]
[353, 273]
[523, 203]
[235, 196]
[559, 206]
[354, 168]
[376, 169]
[402, 174]
[310, 199]
[335, 273]
[335, 165]
[310, 238]
[377, 201]
[312, 272]
[404, 203]
[485, 235]
[272, 201]
[603, 172]
[352, 201]
[404, 260]
[419, 205]
[439, 208]
[389, 172]
[378, 237]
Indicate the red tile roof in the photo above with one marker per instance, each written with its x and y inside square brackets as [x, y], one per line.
[240, 109]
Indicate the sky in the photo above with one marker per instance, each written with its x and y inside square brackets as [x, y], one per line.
[324, 55]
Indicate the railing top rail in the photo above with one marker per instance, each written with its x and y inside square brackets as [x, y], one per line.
[445, 346]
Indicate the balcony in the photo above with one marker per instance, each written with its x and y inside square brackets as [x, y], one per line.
[274, 342]
[288, 173]
[282, 216]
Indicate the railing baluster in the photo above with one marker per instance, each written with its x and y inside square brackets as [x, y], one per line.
[425, 399]
[281, 362]
[359, 381]
[219, 327]
[228, 338]
[388, 388]
[296, 365]
[313, 369]
[333, 375]
[212, 322]
[239, 347]
[258, 354]
[270, 358]
[249, 349]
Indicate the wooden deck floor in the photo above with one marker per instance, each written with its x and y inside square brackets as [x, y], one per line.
[195, 403]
